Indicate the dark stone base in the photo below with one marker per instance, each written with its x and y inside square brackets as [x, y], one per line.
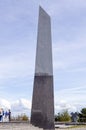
[42, 114]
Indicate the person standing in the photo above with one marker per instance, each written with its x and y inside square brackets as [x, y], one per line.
[9, 115]
[1, 115]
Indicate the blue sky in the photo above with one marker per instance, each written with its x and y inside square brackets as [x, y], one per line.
[18, 38]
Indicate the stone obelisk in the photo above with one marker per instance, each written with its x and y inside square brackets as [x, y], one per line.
[42, 113]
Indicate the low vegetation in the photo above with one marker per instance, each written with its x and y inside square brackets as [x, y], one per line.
[22, 117]
[82, 115]
[73, 117]
[63, 117]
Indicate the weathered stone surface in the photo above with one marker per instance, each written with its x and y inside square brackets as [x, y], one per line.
[44, 46]
[42, 105]
[42, 113]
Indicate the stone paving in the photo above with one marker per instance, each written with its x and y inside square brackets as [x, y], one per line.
[27, 126]
[17, 126]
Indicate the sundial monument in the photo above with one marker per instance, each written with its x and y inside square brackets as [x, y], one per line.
[42, 112]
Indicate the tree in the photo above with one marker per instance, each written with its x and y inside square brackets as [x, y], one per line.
[64, 116]
[22, 117]
[82, 115]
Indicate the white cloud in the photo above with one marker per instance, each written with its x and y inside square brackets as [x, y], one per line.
[70, 55]
[17, 107]
[60, 6]
[21, 106]
[64, 105]
[21, 103]
[70, 98]
[5, 104]
[17, 65]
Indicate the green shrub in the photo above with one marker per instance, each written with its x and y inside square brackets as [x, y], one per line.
[64, 116]
[22, 117]
[25, 118]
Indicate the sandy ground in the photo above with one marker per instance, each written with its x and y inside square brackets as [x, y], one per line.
[26, 126]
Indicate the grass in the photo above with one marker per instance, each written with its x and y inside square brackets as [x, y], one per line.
[75, 127]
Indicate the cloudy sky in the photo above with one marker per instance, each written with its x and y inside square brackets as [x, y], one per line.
[18, 38]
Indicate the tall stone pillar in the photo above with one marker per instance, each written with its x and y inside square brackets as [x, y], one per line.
[42, 113]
